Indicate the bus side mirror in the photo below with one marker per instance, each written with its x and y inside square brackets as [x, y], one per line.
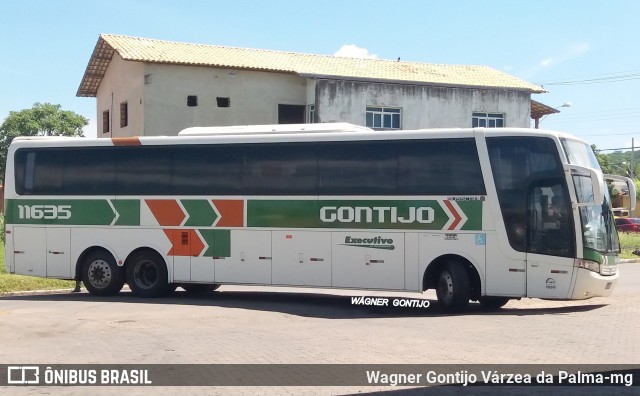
[630, 185]
[597, 181]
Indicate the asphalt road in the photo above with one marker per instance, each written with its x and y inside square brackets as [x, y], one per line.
[293, 326]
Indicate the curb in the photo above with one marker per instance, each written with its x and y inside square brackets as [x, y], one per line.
[54, 291]
[30, 292]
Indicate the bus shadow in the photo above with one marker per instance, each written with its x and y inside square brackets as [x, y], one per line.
[314, 305]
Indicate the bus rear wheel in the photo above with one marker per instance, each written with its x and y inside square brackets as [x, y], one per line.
[453, 289]
[147, 274]
[100, 274]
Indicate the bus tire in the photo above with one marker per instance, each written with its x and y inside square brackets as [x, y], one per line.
[147, 274]
[453, 288]
[100, 274]
[199, 288]
[491, 303]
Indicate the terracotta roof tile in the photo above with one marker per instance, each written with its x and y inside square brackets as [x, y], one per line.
[159, 51]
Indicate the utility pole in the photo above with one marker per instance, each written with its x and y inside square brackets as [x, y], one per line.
[632, 159]
[632, 174]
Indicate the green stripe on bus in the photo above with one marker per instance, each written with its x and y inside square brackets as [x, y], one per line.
[73, 211]
[60, 211]
[473, 211]
[219, 242]
[200, 212]
[128, 210]
[363, 214]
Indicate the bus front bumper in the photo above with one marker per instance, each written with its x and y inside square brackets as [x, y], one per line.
[591, 284]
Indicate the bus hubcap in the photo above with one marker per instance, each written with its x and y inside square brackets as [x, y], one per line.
[99, 274]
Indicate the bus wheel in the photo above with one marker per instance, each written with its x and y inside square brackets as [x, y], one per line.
[100, 274]
[492, 303]
[199, 288]
[147, 274]
[453, 289]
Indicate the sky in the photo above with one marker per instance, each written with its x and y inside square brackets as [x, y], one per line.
[586, 52]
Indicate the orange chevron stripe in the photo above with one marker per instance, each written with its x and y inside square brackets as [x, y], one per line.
[166, 211]
[184, 242]
[455, 214]
[231, 212]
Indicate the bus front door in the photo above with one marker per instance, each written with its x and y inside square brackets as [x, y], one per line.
[550, 240]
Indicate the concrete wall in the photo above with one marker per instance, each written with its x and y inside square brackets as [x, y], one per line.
[157, 99]
[254, 97]
[122, 82]
[422, 106]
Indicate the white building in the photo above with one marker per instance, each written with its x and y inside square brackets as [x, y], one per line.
[152, 87]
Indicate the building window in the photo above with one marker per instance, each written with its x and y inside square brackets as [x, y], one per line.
[192, 100]
[124, 114]
[384, 117]
[223, 102]
[489, 120]
[311, 114]
[105, 121]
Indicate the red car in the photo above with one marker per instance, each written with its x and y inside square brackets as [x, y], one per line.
[628, 224]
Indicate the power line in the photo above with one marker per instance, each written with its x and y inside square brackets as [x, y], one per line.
[612, 134]
[596, 118]
[623, 109]
[615, 149]
[607, 78]
[603, 113]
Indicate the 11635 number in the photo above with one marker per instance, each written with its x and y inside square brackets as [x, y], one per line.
[46, 212]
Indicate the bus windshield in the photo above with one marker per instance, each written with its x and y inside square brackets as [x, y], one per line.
[598, 230]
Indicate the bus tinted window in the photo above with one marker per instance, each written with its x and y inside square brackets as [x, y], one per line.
[429, 167]
[358, 168]
[207, 170]
[64, 171]
[276, 169]
[519, 164]
[47, 171]
[143, 170]
[88, 172]
[439, 167]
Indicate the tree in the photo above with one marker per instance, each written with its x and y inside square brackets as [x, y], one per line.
[604, 160]
[43, 119]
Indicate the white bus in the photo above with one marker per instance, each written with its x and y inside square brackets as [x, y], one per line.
[477, 214]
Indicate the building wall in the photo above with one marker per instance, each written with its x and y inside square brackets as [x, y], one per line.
[156, 95]
[253, 97]
[122, 82]
[422, 106]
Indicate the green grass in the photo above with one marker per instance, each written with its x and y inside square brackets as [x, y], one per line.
[629, 242]
[14, 283]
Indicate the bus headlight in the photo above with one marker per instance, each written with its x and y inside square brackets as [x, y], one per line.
[608, 270]
[588, 264]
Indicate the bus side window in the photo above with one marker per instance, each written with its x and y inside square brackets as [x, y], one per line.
[439, 167]
[347, 168]
[207, 170]
[280, 170]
